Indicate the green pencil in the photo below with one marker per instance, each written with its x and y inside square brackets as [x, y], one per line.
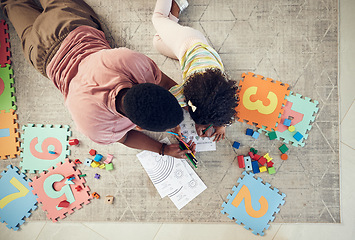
[204, 131]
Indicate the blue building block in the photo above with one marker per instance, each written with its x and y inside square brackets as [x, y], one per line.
[298, 136]
[236, 145]
[249, 132]
[98, 157]
[255, 135]
[255, 166]
[287, 122]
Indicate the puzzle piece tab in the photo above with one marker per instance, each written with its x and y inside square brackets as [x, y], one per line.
[260, 204]
[16, 198]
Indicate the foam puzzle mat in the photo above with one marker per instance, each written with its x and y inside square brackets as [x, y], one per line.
[9, 144]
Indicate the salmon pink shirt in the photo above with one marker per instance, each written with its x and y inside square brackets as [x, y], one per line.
[89, 73]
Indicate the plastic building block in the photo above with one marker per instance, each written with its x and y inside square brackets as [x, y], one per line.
[270, 164]
[77, 161]
[92, 152]
[284, 156]
[95, 164]
[268, 158]
[102, 166]
[64, 204]
[251, 155]
[271, 170]
[255, 135]
[9, 144]
[52, 152]
[73, 142]
[109, 167]
[256, 157]
[7, 90]
[291, 128]
[98, 157]
[249, 132]
[82, 175]
[38, 140]
[69, 182]
[252, 90]
[248, 166]
[241, 162]
[4, 44]
[253, 203]
[283, 148]
[272, 135]
[95, 195]
[16, 198]
[262, 169]
[88, 162]
[255, 166]
[287, 122]
[50, 197]
[253, 150]
[108, 159]
[262, 160]
[236, 145]
[109, 199]
[298, 136]
[97, 176]
[78, 188]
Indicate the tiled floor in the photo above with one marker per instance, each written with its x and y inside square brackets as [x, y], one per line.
[344, 231]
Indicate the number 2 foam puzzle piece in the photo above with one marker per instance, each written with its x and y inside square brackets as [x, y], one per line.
[38, 141]
[51, 189]
[259, 205]
[303, 111]
[261, 101]
[16, 198]
[9, 144]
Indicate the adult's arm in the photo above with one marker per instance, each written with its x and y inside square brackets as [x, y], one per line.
[166, 82]
[138, 140]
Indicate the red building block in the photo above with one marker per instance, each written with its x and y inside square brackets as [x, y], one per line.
[73, 142]
[256, 157]
[262, 160]
[241, 162]
[64, 204]
[92, 152]
[270, 164]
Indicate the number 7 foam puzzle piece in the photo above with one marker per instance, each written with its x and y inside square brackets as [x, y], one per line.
[261, 101]
[51, 189]
[39, 141]
[16, 198]
[253, 203]
[303, 111]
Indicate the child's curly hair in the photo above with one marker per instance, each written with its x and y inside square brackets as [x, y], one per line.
[213, 95]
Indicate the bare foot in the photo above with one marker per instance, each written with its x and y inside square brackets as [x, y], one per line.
[175, 10]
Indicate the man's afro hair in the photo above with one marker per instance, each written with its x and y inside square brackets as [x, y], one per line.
[152, 107]
[213, 95]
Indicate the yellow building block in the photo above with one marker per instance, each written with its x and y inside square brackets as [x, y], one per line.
[102, 166]
[263, 169]
[268, 158]
[95, 164]
[291, 128]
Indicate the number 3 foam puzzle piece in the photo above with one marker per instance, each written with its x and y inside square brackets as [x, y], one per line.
[261, 101]
[16, 198]
[253, 203]
[51, 189]
[303, 111]
[38, 141]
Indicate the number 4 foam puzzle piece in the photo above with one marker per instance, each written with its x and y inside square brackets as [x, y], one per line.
[38, 141]
[51, 189]
[261, 100]
[259, 205]
[16, 198]
[303, 111]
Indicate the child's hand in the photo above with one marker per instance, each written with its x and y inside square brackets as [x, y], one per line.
[177, 130]
[175, 151]
[201, 130]
[219, 134]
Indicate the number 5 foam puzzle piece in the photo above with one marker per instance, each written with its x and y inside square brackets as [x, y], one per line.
[253, 203]
[9, 144]
[16, 198]
[51, 189]
[261, 100]
[37, 143]
[303, 111]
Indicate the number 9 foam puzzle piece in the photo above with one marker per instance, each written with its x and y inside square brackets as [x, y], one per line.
[51, 189]
[38, 141]
[261, 100]
[303, 111]
[16, 198]
[253, 203]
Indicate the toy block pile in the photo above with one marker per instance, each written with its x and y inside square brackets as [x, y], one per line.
[98, 161]
[256, 163]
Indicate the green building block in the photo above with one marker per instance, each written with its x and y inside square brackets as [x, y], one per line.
[271, 170]
[283, 148]
[272, 135]
[109, 166]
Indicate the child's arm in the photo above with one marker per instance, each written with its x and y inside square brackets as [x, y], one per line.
[166, 82]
